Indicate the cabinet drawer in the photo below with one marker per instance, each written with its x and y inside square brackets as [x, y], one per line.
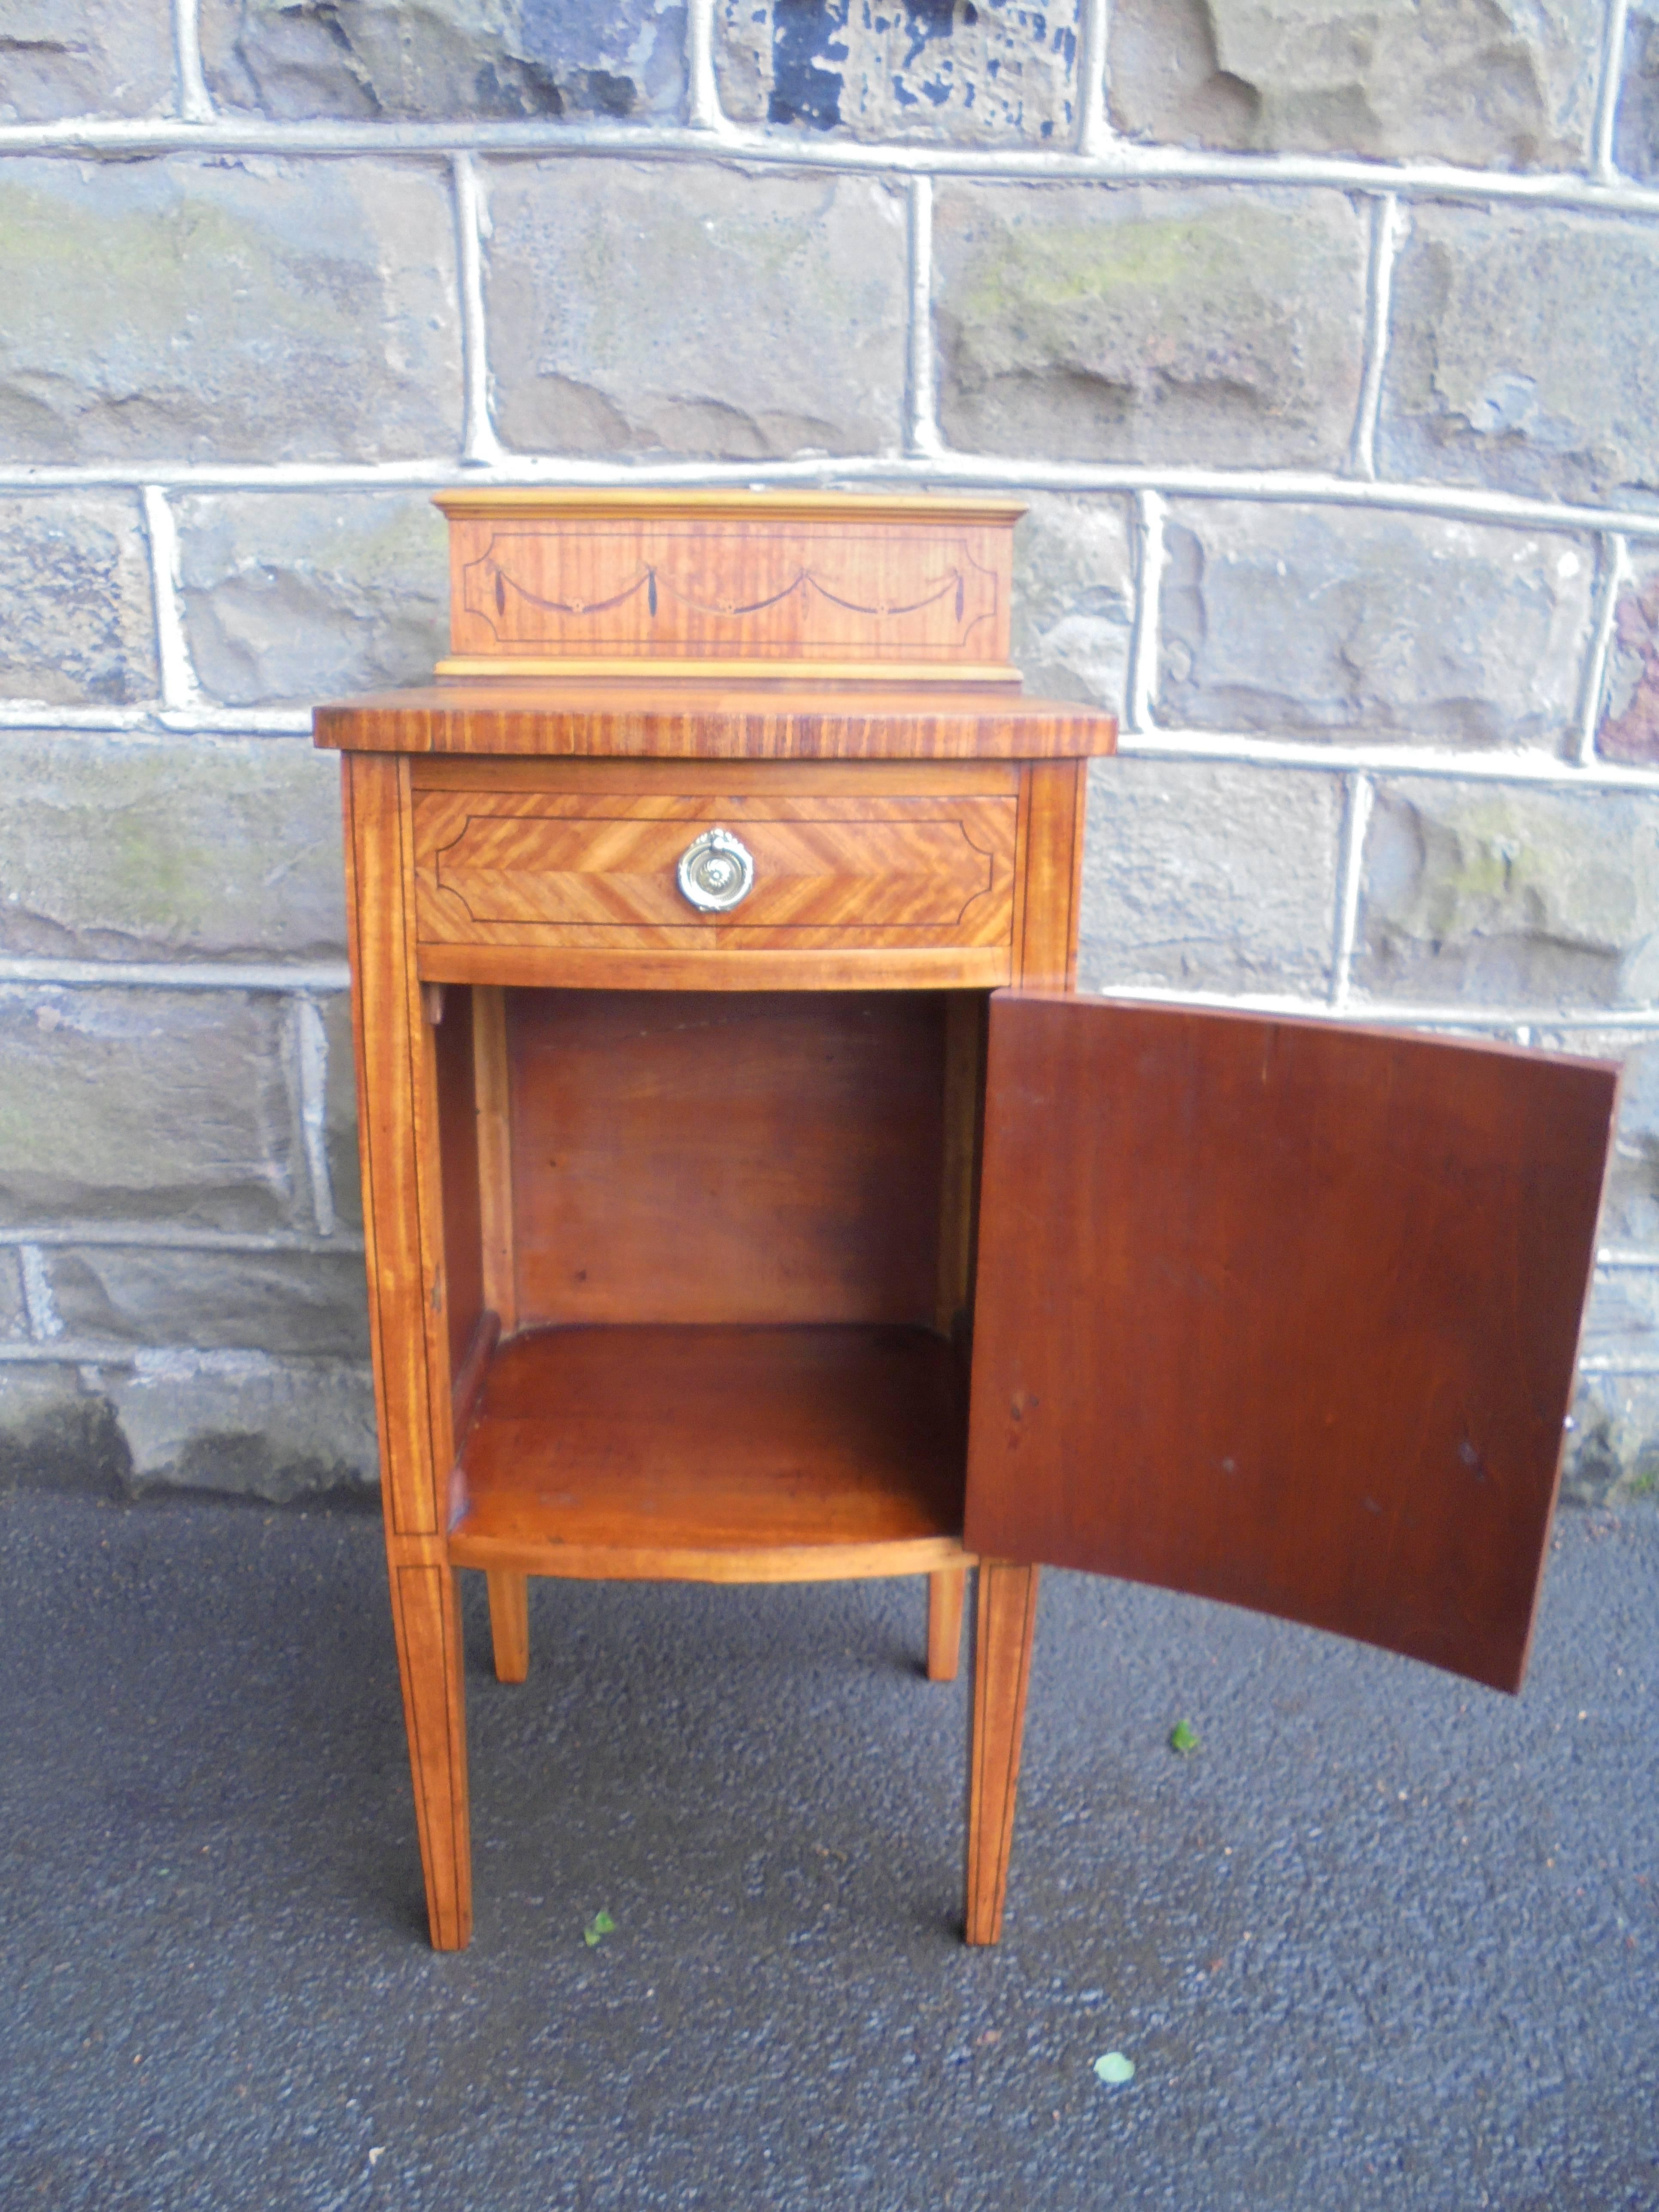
[841, 871]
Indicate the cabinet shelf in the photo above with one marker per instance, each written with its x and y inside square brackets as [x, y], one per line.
[715, 1454]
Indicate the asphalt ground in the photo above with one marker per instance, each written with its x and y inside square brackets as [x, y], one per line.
[1384, 1939]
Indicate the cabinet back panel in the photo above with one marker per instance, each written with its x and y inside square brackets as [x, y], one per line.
[705, 1157]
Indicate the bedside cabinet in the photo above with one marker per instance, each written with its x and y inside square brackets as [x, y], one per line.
[748, 1199]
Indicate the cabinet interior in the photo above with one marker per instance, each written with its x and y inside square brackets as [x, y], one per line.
[728, 1242]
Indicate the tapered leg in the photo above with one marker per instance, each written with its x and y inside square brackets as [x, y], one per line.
[1006, 1617]
[427, 1619]
[509, 1623]
[946, 1591]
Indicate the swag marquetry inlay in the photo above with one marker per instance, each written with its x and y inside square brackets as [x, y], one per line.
[702, 583]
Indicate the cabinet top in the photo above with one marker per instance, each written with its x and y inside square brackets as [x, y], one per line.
[786, 625]
[716, 720]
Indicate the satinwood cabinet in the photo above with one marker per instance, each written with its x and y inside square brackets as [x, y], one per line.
[749, 1198]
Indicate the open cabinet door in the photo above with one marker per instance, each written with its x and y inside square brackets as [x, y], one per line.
[1282, 1313]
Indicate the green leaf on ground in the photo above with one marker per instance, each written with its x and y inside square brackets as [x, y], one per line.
[1114, 2068]
[1183, 1736]
[600, 1926]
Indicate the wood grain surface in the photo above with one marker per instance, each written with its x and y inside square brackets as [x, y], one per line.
[625, 588]
[1053, 801]
[681, 1156]
[458, 1151]
[713, 721]
[827, 967]
[509, 1624]
[401, 1147]
[716, 1454]
[472, 1369]
[1283, 1314]
[392, 1057]
[492, 1090]
[750, 578]
[574, 869]
[426, 1620]
[705, 779]
[947, 1587]
[1004, 1624]
[964, 1092]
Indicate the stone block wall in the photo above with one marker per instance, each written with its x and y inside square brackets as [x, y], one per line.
[1320, 339]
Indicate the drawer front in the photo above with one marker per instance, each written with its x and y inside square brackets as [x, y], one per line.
[579, 869]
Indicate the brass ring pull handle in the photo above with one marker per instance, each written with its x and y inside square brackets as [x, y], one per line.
[716, 871]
